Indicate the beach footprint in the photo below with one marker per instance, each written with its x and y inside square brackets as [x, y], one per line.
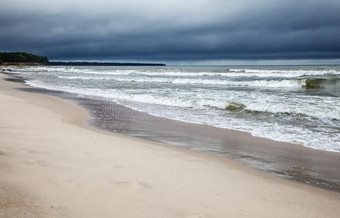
[138, 186]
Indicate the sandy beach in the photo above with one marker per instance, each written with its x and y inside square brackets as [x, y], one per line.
[54, 165]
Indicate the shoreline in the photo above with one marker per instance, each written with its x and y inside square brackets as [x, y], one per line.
[286, 160]
[56, 167]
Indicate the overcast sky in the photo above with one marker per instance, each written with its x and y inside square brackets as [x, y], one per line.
[173, 30]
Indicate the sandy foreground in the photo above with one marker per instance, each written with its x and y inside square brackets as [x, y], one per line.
[53, 165]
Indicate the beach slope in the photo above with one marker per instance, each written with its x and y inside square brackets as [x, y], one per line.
[53, 165]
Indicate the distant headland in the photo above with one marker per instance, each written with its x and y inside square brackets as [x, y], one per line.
[22, 59]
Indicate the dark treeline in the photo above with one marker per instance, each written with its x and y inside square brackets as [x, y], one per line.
[27, 58]
[102, 64]
[22, 57]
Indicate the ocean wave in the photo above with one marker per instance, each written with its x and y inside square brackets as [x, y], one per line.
[295, 72]
[287, 133]
[230, 74]
[255, 83]
[85, 77]
[309, 83]
[265, 103]
[320, 83]
[329, 113]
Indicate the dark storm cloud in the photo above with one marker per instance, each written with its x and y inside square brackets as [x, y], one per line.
[174, 30]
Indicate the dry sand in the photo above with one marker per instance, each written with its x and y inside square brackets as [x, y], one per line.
[53, 165]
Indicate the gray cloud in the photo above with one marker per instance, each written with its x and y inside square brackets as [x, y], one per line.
[172, 30]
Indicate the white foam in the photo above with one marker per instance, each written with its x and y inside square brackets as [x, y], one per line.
[232, 73]
[255, 83]
[313, 106]
[289, 72]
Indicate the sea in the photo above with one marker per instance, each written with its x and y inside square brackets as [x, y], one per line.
[296, 104]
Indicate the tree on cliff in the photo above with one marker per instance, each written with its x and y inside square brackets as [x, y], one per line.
[21, 57]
